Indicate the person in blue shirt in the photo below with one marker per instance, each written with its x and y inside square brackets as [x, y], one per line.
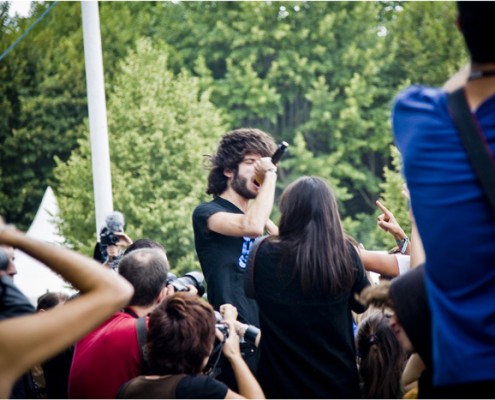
[454, 219]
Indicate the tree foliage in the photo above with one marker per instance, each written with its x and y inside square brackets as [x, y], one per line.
[320, 75]
[160, 126]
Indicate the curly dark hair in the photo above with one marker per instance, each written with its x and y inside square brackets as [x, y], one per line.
[231, 150]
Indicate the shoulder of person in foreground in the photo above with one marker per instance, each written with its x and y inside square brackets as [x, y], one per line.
[28, 340]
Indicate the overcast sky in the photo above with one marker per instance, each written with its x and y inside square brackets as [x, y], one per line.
[20, 7]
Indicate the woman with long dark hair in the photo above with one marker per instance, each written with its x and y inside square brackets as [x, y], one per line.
[381, 358]
[305, 283]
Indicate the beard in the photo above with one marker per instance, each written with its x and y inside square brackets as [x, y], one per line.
[239, 184]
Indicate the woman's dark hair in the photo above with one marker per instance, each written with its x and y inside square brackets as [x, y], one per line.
[232, 149]
[181, 335]
[310, 227]
[50, 300]
[381, 358]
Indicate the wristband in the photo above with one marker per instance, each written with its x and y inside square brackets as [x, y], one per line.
[403, 244]
[251, 334]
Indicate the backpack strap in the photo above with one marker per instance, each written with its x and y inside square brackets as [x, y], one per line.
[477, 148]
[249, 280]
[142, 331]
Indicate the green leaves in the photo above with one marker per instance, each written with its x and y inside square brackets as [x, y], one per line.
[320, 75]
[159, 128]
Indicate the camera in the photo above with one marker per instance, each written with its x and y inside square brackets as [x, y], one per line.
[193, 278]
[220, 326]
[108, 238]
[217, 360]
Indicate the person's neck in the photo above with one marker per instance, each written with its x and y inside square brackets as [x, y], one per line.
[235, 198]
[481, 71]
[478, 90]
[141, 311]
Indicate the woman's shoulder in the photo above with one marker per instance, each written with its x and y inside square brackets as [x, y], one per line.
[271, 252]
[200, 386]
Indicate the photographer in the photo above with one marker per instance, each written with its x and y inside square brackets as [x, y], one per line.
[112, 354]
[112, 241]
[178, 355]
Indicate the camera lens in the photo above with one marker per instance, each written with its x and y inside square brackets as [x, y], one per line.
[193, 278]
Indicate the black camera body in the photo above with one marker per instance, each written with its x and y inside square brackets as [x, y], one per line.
[221, 326]
[108, 238]
[193, 278]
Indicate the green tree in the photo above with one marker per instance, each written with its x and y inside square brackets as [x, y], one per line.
[321, 75]
[46, 107]
[160, 128]
[43, 92]
[429, 47]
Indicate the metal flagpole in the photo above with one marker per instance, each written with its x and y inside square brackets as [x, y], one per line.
[100, 154]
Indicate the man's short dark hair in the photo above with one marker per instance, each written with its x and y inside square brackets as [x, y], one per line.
[232, 149]
[146, 269]
[476, 19]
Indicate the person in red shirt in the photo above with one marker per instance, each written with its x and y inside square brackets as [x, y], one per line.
[110, 355]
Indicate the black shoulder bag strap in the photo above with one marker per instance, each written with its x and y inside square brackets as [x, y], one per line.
[249, 281]
[142, 330]
[474, 141]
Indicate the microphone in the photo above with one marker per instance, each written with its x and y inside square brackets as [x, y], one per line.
[115, 222]
[281, 150]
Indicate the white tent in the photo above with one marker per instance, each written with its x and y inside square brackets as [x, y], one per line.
[33, 277]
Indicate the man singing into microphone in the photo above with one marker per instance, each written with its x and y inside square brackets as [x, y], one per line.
[225, 227]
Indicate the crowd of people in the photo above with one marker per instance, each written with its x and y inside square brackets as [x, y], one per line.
[290, 310]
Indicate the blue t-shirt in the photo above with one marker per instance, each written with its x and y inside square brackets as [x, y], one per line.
[457, 227]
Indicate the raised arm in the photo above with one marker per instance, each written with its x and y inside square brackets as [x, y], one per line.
[28, 340]
[388, 223]
[383, 264]
[253, 222]
[247, 383]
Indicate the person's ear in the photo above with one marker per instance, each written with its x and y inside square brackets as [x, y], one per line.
[228, 173]
[162, 295]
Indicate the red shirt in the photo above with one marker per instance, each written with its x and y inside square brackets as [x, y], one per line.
[105, 359]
